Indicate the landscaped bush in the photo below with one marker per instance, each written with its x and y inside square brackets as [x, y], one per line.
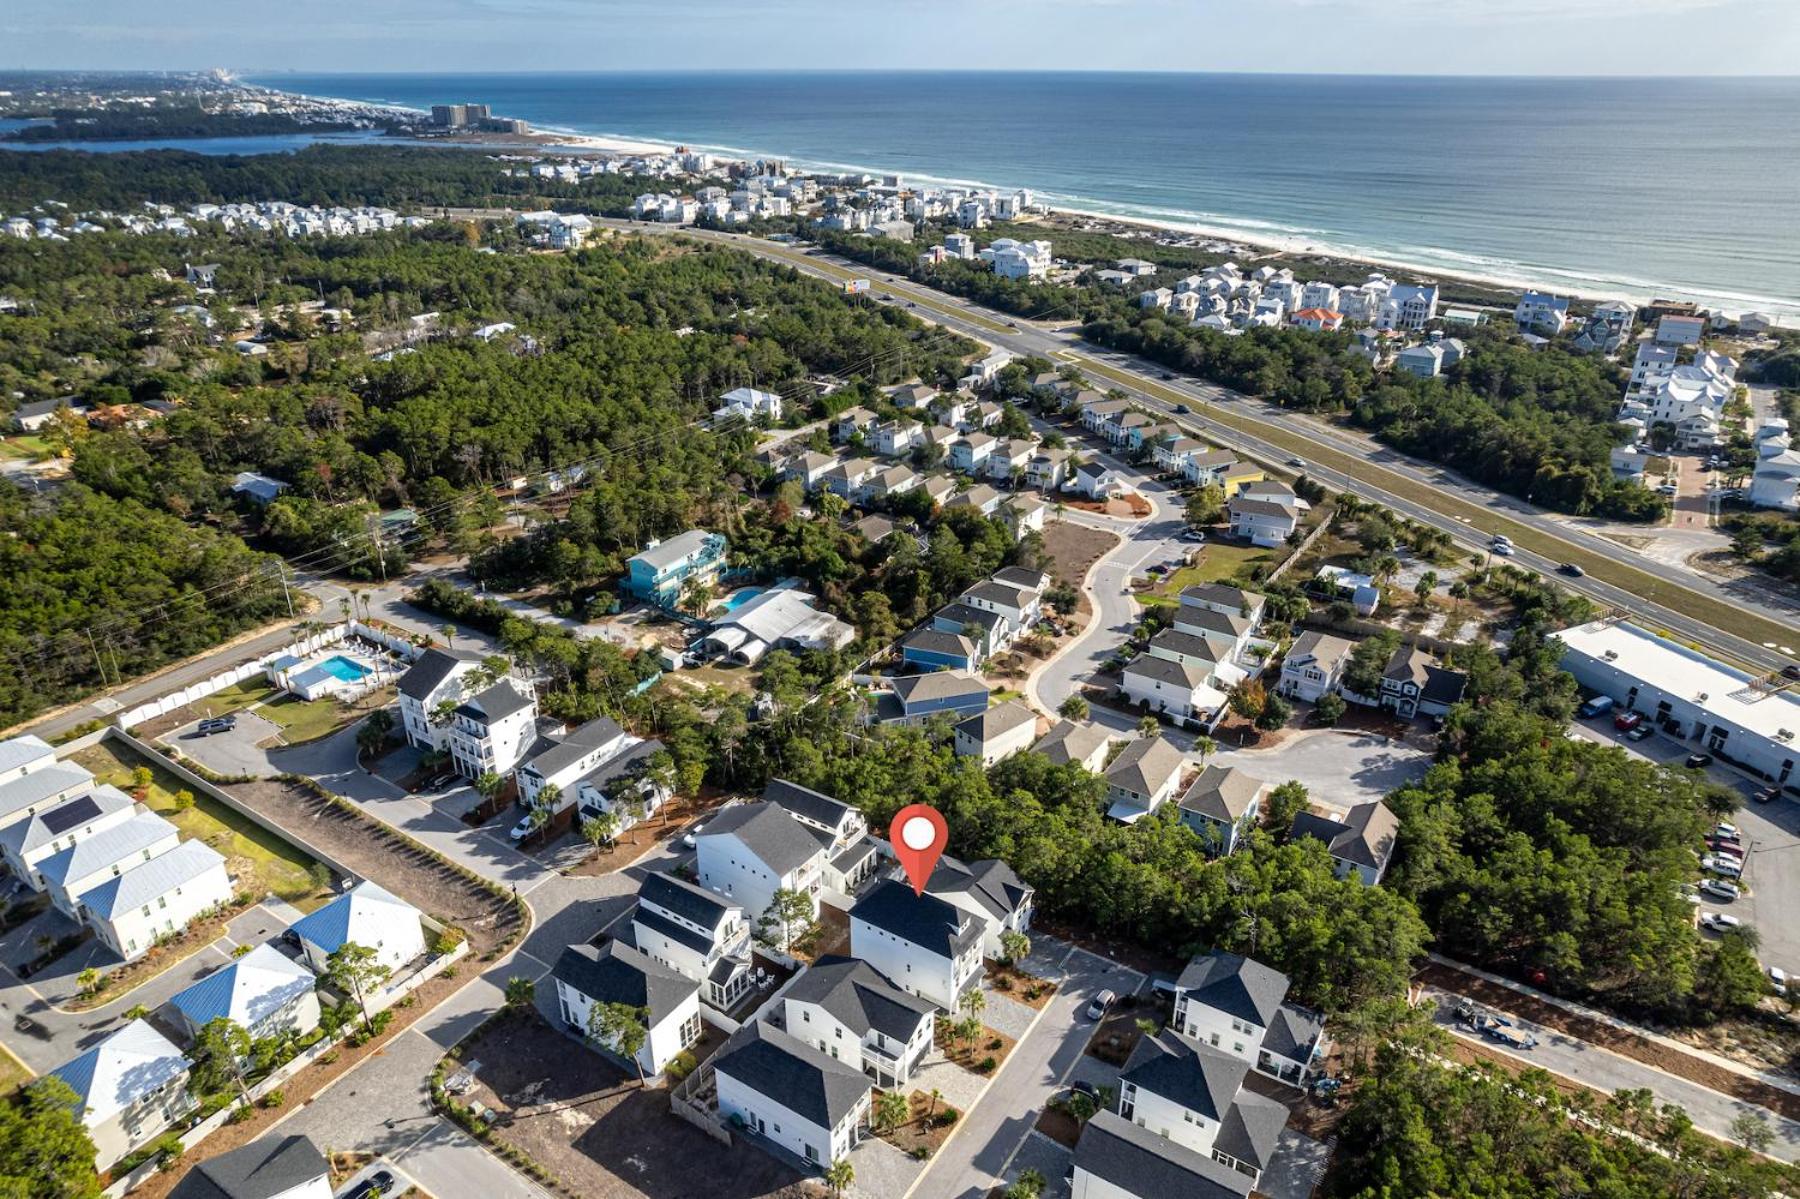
[274, 1098]
[949, 1115]
[987, 1065]
[680, 1066]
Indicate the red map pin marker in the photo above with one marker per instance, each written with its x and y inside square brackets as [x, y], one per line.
[918, 836]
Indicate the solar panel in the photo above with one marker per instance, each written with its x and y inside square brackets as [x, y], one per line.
[65, 816]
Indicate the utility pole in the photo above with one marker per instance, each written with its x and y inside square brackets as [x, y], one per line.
[375, 543]
[98, 664]
[281, 573]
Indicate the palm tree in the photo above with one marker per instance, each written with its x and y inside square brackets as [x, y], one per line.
[936, 1097]
[839, 1174]
[449, 632]
[1148, 726]
[891, 1110]
[1205, 746]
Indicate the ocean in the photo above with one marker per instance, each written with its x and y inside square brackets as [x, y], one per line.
[1630, 187]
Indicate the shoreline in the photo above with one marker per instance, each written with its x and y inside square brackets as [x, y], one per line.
[1515, 277]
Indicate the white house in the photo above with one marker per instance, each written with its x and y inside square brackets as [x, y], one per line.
[782, 1089]
[990, 891]
[1095, 480]
[751, 851]
[1424, 361]
[74, 871]
[1076, 742]
[1238, 1005]
[434, 679]
[1180, 690]
[615, 973]
[265, 993]
[1261, 522]
[128, 1088]
[1142, 778]
[925, 944]
[567, 759]
[1541, 313]
[750, 404]
[1117, 1159]
[55, 827]
[1222, 805]
[844, 1008]
[851, 856]
[368, 915]
[38, 786]
[1192, 1094]
[695, 933]
[1314, 666]
[156, 898]
[1775, 482]
[491, 731]
[275, 1167]
[1000, 731]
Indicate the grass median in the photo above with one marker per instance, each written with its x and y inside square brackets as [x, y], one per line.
[1696, 605]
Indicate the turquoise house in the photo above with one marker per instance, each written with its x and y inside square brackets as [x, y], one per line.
[659, 574]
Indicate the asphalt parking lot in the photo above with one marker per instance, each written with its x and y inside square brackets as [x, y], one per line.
[1771, 834]
[234, 752]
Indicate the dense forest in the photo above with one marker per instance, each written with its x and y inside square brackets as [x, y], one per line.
[1534, 423]
[620, 354]
[395, 176]
[162, 120]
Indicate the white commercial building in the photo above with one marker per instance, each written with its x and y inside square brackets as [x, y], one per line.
[1693, 698]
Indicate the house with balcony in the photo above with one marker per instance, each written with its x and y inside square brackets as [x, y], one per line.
[435, 679]
[924, 944]
[493, 730]
[847, 1010]
[129, 1088]
[274, 1167]
[1047, 469]
[1193, 1097]
[788, 1093]
[1116, 1159]
[1096, 480]
[1238, 1005]
[750, 851]
[990, 891]
[696, 933]
[1177, 689]
[808, 469]
[850, 855]
[1142, 778]
[624, 786]
[1314, 666]
[989, 630]
[664, 569]
[941, 693]
[749, 404]
[1261, 522]
[852, 423]
[935, 649]
[568, 758]
[615, 973]
[87, 863]
[897, 437]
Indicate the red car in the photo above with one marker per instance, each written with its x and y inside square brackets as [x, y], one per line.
[1626, 721]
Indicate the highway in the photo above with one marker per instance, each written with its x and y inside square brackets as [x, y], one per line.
[1747, 624]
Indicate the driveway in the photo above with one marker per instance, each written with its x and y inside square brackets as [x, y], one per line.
[1338, 769]
[234, 752]
[989, 1136]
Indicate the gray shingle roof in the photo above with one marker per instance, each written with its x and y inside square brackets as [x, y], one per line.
[1236, 985]
[934, 925]
[1213, 622]
[498, 702]
[262, 1169]
[936, 641]
[781, 842]
[808, 804]
[1146, 765]
[792, 1073]
[1186, 1072]
[617, 973]
[1185, 644]
[1142, 1164]
[1327, 650]
[969, 614]
[861, 998]
[433, 666]
[1252, 1129]
[1171, 674]
[991, 881]
[1365, 836]
[575, 745]
[939, 684]
[684, 899]
[1222, 793]
[665, 554]
[997, 721]
[1071, 741]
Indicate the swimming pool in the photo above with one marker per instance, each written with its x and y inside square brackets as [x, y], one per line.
[343, 669]
[742, 596]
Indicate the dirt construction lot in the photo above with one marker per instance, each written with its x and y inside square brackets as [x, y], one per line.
[1075, 548]
[605, 1137]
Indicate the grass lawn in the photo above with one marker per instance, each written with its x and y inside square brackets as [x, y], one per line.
[262, 862]
[236, 697]
[1217, 563]
[28, 447]
[310, 719]
[13, 1073]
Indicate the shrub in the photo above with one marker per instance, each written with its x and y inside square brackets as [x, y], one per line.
[447, 940]
[241, 950]
[1003, 983]
[447, 972]
[184, 799]
[920, 1153]
[240, 1113]
[987, 1065]
[274, 1098]
[995, 1043]
[949, 1115]
[680, 1066]
[328, 1057]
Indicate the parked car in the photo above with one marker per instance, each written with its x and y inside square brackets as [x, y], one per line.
[1719, 888]
[1728, 830]
[1791, 671]
[1572, 570]
[1182, 410]
[1626, 721]
[1767, 795]
[1778, 980]
[520, 831]
[1698, 761]
[380, 1182]
[1600, 705]
[216, 724]
[1096, 1010]
[1640, 732]
[1083, 1087]
[689, 838]
[1729, 867]
[1300, 462]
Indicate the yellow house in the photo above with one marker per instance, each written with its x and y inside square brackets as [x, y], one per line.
[1238, 477]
